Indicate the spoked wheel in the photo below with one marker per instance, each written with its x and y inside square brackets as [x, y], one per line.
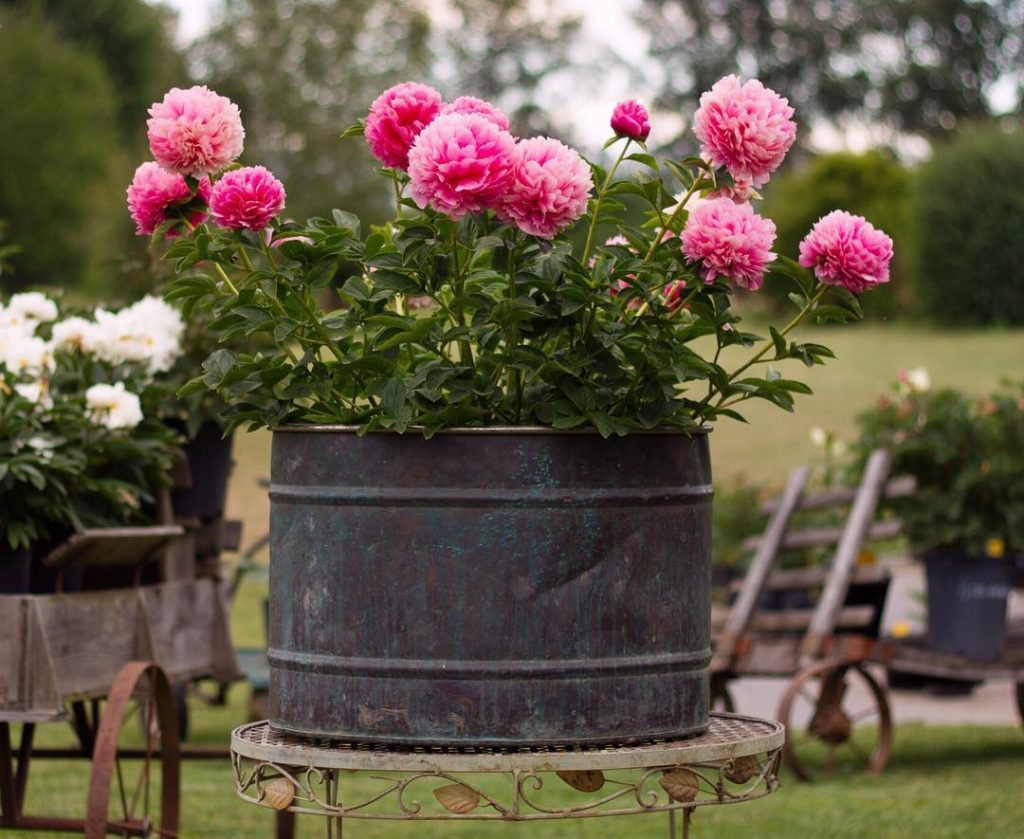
[721, 698]
[128, 779]
[837, 720]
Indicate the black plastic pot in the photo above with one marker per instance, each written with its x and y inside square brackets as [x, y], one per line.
[489, 587]
[15, 569]
[209, 461]
[967, 604]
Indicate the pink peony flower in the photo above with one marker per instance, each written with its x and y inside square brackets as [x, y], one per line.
[460, 163]
[396, 118]
[846, 250]
[472, 105]
[154, 191]
[629, 119]
[246, 198]
[550, 187]
[729, 240]
[746, 128]
[195, 132]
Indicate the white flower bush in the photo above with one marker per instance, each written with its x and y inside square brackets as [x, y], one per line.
[83, 441]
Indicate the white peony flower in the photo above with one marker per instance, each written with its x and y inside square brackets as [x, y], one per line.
[74, 333]
[918, 380]
[819, 437]
[11, 320]
[149, 332]
[113, 406]
[37, 392]
[24, 353]
[33, 306]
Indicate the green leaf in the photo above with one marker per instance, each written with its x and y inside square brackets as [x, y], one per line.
[393, 396]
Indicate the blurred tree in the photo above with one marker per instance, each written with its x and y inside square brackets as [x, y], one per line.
[966, 208]
[502, 51]
[60, 187]
[303, 70]
[917, 65]
[133, 41]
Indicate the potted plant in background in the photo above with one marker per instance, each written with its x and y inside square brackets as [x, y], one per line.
[531, 564]
[82, 444]
[966, 517]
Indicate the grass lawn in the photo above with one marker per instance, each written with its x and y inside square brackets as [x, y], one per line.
[942, 782]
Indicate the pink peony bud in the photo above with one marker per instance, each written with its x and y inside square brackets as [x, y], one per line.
[550, 187]
[396, 118]
[246, 198]
[629, 119]
[745, 128]
[154, 191]
[672, 294]
[460, 163]
[729, 240]
[195, 132]
[846, 250]
[472, 105]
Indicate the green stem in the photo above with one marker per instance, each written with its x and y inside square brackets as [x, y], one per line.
[600, 200]
[225, 277]
[465, 349]
[680, 206]
[760, 354]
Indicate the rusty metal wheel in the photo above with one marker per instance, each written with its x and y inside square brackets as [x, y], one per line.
[837, 720]
[721, 698]
[123, 780]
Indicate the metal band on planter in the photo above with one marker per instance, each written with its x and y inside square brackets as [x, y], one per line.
[735, 760]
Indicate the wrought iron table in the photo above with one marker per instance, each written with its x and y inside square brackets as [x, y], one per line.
[735, 760]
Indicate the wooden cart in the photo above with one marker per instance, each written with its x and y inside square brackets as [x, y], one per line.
[835, 710]
[822, 644]
[97, 659]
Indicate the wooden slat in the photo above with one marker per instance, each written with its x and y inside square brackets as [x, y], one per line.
[819, 536]
[797, 620]
[899, 487]
[753, 582]
[113, 546]
[845, 561]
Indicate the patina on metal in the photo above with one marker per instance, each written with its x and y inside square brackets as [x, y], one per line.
[492, 587]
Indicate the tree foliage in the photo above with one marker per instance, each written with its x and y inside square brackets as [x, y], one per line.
[917, 65]
[502, 50]
[967, 209]
[60, 146]
[132, 40]
[301, 71]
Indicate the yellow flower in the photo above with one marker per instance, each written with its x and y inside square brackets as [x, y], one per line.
[995, 548]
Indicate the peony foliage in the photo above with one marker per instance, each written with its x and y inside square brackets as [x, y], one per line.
[491, 299]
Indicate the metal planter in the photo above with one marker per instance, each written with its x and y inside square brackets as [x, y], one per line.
[493, 587]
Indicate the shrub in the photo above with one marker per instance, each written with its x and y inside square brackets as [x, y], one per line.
[873, 185]
[968, 210]
[61, 156]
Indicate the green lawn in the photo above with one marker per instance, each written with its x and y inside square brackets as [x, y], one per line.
[942, 782]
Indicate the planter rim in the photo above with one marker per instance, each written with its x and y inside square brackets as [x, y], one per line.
[493, 429]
